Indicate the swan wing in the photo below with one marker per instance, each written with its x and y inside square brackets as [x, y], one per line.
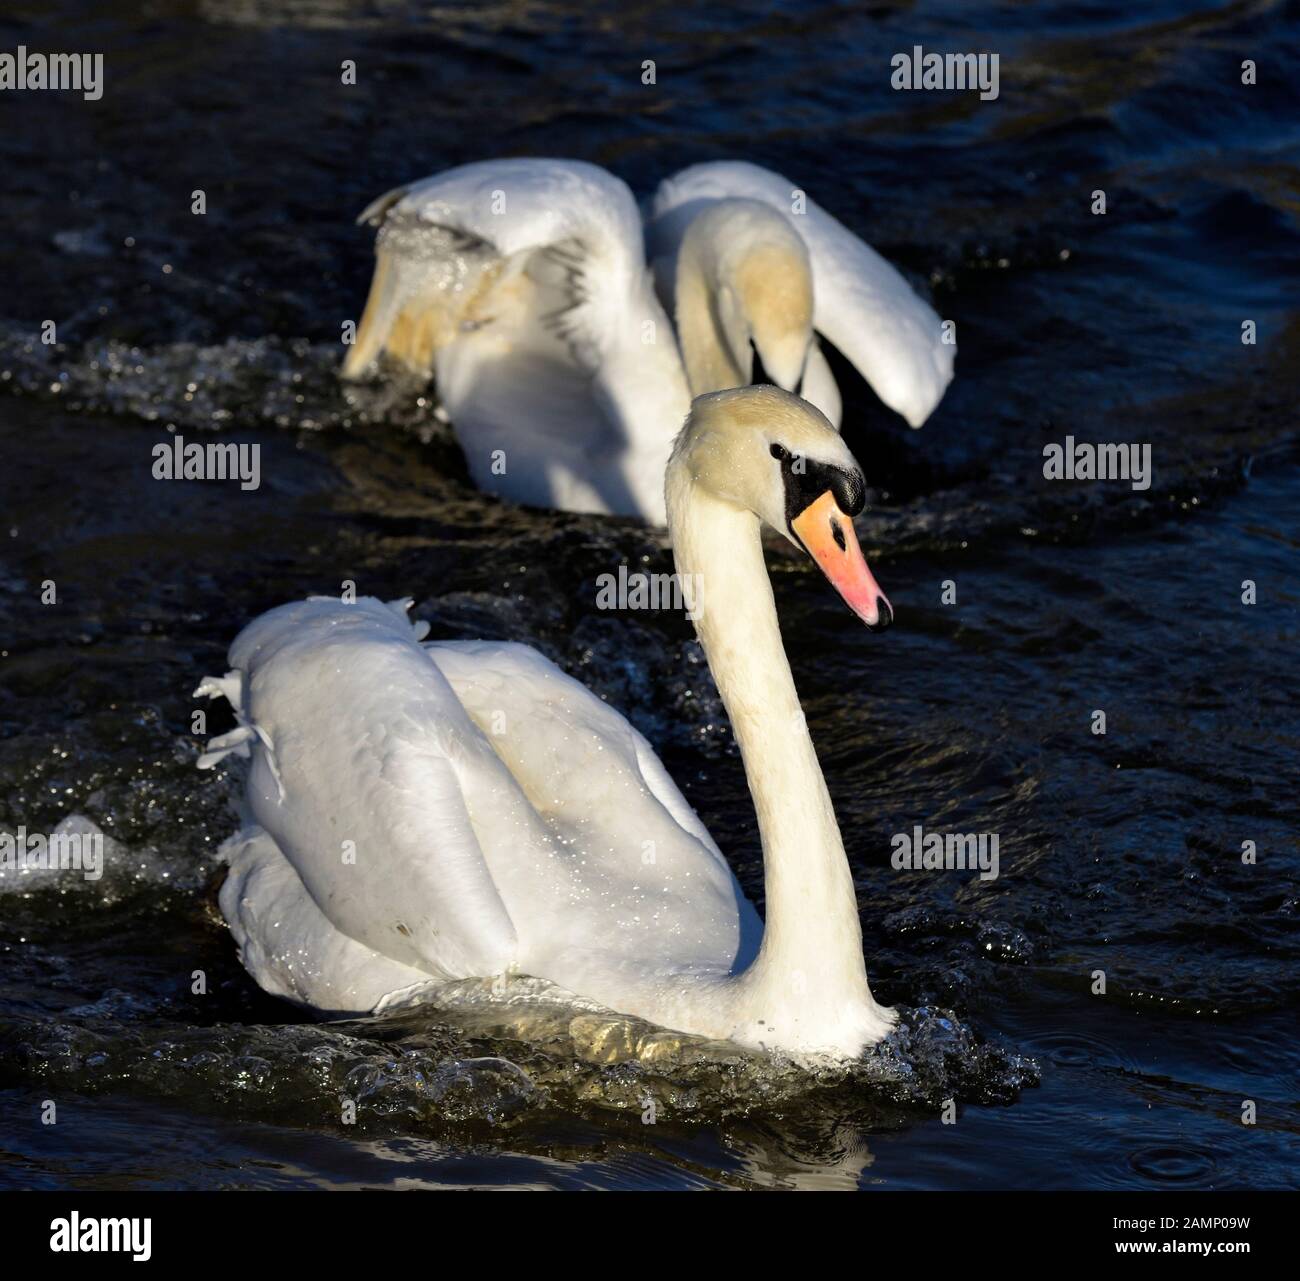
[455, 810]
[428, 279]
[290, 946]
[647, 886]
[570, 228]
[358, 751]
[522, 285]
[861, 303]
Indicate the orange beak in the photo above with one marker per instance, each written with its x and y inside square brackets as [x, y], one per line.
[827, 534]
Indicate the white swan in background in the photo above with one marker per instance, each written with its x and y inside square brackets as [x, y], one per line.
[521, 286]
[421, 813]
[859, 302]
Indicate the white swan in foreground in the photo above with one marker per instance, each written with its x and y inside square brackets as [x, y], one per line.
[521, 286]
[453, 810]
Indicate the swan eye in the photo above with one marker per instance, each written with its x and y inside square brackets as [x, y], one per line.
[780, 452]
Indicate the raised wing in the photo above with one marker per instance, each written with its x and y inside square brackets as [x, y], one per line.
[446, 245]
[522, 285]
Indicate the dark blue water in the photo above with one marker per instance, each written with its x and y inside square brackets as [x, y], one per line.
[1119, 853]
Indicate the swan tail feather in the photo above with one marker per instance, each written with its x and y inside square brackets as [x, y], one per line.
[224, 745]
[230, 687]
[238, 741]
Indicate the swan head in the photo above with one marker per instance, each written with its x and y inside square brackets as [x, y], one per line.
[760, 278]
[766, 451]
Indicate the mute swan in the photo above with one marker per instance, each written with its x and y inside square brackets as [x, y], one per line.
[522, 286]
[465, 809]
[859, 301]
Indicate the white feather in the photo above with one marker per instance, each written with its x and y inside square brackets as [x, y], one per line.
[861, 303]
[457, 809]
[554, 361]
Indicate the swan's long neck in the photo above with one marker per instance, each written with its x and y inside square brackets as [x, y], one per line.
[706, 351]
[812, 944]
